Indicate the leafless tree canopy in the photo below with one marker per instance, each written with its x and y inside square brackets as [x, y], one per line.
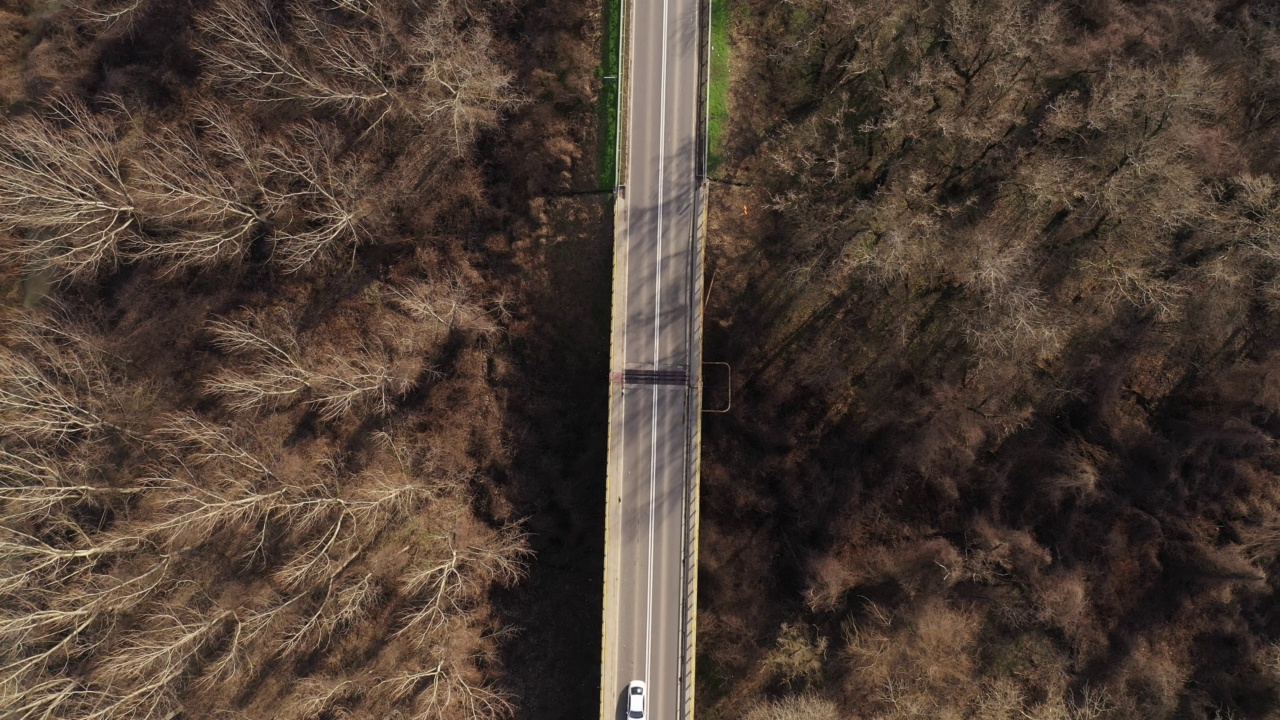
[998, 284]
[435, 71]
[63, 196]
[117, 619]
[244, 409]
[84, 189]
[204, 197]
[283, 370]
[94, 197]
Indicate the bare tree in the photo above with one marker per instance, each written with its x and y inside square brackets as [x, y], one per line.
[279, 373]
[462, 84]
[56, 611]
[794, 707]
[327, 194]
[339, 527]
[205, 197]
[143, 674]
[53, 698]
[51, 383]
[239, 658]
[110, 17]
[336, 609]
[323, 695]
[63, 194]
[35, 486]
[30, 561]
[78, 198]
[351, 69]
[441, 690]
[188, 512]
[451, 692]
[275, 376]
[457, 569]
[446, 301]
[246, 49]
[209, 486]
[441, 74]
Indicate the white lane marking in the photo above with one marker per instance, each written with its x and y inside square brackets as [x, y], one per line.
[626, 279]
[657, 316]
[693, 211]
[662, 157]
[653, 501]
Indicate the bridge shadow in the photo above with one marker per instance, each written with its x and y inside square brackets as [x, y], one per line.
[558, 418]
[557, 421]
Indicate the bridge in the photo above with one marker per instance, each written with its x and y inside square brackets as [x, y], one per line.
[655, 388]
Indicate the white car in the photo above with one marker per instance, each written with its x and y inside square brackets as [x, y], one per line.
[637, 700]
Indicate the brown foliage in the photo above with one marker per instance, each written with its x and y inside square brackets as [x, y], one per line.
[1003, 336]
[244, 463]
[209, 499]
[283, 369]
[795, 707]
[373, 67]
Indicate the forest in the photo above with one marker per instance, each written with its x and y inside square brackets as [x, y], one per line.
[278, 360]
[304, 315]
[998, 282]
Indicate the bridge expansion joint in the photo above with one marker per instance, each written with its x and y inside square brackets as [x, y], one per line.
[656, 376]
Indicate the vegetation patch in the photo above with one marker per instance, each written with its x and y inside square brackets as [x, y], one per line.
[609, 98]
[271, 284]
[993, 277]
[718, 82]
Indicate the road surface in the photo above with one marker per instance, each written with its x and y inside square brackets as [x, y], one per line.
[656, 366]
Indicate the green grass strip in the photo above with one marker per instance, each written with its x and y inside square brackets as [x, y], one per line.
[718, 90]
[609, 93]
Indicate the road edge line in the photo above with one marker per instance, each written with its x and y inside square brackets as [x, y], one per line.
[612, 562]
[695, 411]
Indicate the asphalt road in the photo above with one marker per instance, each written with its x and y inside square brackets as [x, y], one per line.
[653, 296]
